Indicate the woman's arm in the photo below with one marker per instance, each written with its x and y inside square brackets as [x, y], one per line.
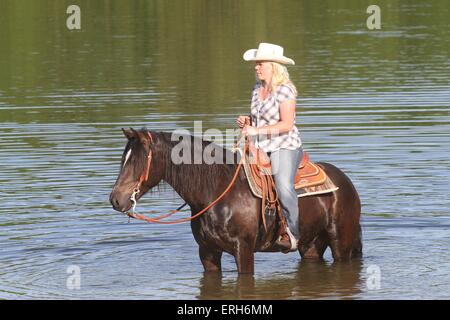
[243, 120]
[287, 117]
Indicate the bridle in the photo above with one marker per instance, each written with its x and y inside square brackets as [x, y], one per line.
[144, 175]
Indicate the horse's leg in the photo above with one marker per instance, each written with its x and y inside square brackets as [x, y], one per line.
[315, 249]
[357, 246]
[345, 236]
[343, 230]
[336, 249]
[245, 257]
[344, 241]
[211, 259]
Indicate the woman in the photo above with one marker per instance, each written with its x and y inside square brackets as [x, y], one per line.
[272, 123]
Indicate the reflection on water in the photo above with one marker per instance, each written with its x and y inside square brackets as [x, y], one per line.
[375, 104]
[311, 280]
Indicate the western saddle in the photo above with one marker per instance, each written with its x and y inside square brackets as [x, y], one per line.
[259, 173]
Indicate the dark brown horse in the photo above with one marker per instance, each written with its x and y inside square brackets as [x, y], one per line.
[234, 224]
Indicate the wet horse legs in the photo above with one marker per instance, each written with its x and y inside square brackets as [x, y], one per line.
[211, 259]
[244, 257]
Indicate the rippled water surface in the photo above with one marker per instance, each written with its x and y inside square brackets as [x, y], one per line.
[374, 103]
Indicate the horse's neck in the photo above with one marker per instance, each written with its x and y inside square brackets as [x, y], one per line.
[192, 196]
[197, 184]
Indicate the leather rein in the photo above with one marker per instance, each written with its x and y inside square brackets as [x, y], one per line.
[144, 178]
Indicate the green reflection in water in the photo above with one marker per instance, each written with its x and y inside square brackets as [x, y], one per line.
[170, 57]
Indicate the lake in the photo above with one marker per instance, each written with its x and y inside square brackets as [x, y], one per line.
[375, 103]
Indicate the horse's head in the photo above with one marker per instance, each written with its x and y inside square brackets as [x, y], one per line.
[140, 169]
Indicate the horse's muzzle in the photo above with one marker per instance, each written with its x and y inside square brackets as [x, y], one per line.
[120, 203]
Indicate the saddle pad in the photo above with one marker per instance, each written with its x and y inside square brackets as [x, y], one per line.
[326, 187]
[311, 180]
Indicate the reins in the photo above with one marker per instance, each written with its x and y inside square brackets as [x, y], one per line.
[144, 177]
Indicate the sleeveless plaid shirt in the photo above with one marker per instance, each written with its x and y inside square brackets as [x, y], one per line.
[267, 112]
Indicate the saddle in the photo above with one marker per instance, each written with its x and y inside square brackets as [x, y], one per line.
[310, 179]
[308, 174]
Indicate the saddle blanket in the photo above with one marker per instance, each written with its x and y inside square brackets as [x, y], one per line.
[310, 180]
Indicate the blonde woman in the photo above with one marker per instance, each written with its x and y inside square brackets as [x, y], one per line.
[272, 123]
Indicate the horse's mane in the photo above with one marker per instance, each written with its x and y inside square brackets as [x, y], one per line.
[189, 177]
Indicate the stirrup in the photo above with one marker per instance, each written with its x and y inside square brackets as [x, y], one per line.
[292, 240]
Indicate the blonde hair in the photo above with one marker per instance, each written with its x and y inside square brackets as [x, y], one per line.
[280, 76]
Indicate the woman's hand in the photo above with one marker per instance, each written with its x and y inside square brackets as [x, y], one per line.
[242, 121]
[249, 131]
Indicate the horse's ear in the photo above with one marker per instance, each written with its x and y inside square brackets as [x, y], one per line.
[143, 138]
[129, 133]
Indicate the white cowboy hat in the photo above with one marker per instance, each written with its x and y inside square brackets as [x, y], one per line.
[267, 52]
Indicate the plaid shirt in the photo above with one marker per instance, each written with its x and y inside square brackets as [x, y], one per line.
[267, 112]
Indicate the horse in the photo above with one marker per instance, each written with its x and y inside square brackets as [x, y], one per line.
[234, 224]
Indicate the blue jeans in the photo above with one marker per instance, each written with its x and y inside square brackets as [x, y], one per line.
[284, 166]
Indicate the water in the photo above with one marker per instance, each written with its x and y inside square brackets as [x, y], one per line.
[374, 103]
